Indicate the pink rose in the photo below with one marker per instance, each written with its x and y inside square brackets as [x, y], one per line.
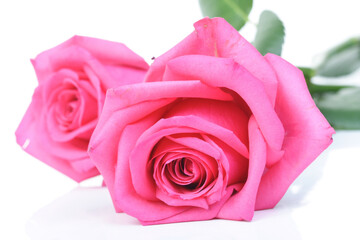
[216, 131]
[73, 78]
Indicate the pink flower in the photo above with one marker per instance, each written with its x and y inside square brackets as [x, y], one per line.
[216, 131]
[73, 78]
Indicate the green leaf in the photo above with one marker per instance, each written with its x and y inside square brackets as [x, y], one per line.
[270, 34]
[341, 109]
[236, 12]
[309, 73]
[341, 60]
[316, 89]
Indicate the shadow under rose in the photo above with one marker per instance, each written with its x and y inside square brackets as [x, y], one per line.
[88, 213]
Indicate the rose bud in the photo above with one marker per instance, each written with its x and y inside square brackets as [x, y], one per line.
[73, 78]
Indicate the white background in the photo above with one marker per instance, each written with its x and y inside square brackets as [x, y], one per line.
[39, 203]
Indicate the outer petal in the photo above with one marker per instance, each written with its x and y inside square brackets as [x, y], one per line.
[216, 37]
[225, 73]
[112, 63]
[112, 53]
[192, 214]
[103, 146]
[125, 96]
[241, 205]
[31, 136]
[112, 76]
[123, 193]
[307, 132]
[50, 61]
[227, 114]
[78, 49]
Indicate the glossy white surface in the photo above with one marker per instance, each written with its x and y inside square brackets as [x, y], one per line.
[321, 204]
[39, 203]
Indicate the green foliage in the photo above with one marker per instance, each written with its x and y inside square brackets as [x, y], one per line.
[236, 12]
[270, 34]
[316, 89]
[342, 108]
[339, 104]
[341, 60]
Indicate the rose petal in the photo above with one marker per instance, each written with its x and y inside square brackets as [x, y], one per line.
[236, 165]
[89, 107]
[113, 76]
[122, 190]
[109, 52]
[197, 144]
[176, 199]
[59, 135]
[125, 75]
[76, 51]
[118, 99]
[87, 86]
[59, 83]
[141, 177]
[172, 201]
[85, 115]
[96, 83]
[168, 147]
[228, 43]
[225, 73]
[165, 145]
[307, 132]
[105, 139]
[51, 87]
[84, 65]
[223, 113]
[83, 165]
[241, 205]
[191, 214]
[27, 136]
[55, 59]
[125, 96]
[216, 37]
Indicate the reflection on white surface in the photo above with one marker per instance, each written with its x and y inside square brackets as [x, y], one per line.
[88, 214]
[322, 203]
